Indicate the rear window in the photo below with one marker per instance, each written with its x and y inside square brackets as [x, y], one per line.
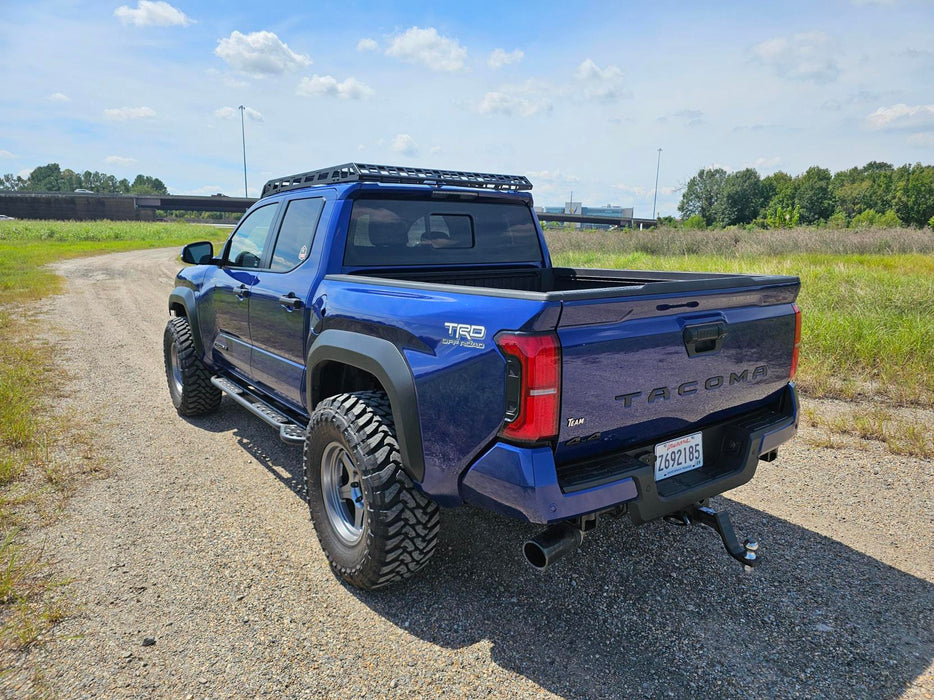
[416, 232]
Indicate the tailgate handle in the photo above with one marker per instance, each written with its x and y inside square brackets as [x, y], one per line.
[704, 339]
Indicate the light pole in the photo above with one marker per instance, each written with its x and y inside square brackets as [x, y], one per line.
[654, 198]
[243, 136]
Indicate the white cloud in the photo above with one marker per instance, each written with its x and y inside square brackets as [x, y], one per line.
[925, 138]
[766, 163]
[601, 83]
[25, 173]
[205, 190]
[902, 116]
[123, 114]
[426, 46]
[524, 100]
[367, 45]
[59, 97]
[232, 82]
[119, 160]
[808, 56]
[328, 86]
[641, 192]
[6, 154]
[152, 14]
[688, 117]
[231, 113]
[552, 175]
[500, 57]
[259, 53]
[404, 144]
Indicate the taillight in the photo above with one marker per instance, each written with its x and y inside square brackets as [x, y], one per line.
[533, 386]
[794, 354]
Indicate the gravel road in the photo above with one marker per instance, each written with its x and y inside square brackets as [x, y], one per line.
[200, 540]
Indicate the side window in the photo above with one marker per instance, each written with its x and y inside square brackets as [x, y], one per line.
[246, 247]
[296, 233]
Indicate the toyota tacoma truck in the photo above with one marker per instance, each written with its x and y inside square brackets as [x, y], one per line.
[406, 326]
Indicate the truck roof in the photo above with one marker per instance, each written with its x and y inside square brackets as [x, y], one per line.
[363, 172]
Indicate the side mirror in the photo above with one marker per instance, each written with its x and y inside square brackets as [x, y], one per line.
[199, 253]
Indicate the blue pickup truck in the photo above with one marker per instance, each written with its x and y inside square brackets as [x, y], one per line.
[407, 327]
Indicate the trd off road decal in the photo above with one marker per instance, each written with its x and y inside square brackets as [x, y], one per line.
[464, 335]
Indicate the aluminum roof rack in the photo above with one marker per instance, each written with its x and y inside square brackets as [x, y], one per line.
[362, 172]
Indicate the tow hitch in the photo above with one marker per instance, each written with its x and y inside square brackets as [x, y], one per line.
[746, 554]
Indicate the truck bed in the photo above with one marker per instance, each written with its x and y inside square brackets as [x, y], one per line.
[565, 283]
[646, 355]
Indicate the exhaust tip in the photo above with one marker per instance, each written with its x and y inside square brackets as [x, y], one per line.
[552, 544]
[535, 555]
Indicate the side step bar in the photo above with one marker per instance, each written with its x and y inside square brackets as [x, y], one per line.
[290, 432]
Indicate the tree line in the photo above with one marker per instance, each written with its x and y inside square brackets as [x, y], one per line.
[877, 194]
[51, 178]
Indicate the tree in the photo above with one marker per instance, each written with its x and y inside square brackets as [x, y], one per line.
[144, 184]
[913, 194]
[45, 178]
[11, 183]
[702, 194]
[741, 198]
[779, 189]
[814, 196]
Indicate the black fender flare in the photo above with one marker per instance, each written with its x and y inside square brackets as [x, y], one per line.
[384, 361]
[185, 297]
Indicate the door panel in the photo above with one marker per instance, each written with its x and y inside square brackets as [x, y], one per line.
[225, 310]
[279, 303]
[227, 300]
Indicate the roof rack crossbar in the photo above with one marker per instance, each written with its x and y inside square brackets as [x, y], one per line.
[363, 172]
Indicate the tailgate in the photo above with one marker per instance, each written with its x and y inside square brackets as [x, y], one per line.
[640, 369]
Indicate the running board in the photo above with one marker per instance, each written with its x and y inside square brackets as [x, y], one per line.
[290, 432]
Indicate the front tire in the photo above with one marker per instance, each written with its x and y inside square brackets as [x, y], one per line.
[189, 380]
[374, 524]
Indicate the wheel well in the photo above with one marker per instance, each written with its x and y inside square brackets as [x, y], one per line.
[332, 378]
[177, 309]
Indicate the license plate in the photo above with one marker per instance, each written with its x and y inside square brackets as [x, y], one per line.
[678, 456]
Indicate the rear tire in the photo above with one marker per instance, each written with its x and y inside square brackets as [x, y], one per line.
[374, 524]
[189, 380]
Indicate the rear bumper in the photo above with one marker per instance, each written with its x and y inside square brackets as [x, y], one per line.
[526, 483]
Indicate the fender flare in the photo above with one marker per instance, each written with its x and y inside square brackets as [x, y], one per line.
[186, 299]
[386, 362]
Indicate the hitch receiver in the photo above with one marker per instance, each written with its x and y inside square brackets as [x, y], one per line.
[746, 554]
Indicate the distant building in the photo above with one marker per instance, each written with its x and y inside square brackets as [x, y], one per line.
[611, 211]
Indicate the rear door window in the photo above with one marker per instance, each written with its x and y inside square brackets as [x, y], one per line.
[296, 234]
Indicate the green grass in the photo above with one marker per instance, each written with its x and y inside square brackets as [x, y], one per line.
[35, 478]
[868, 324]
[27, 246]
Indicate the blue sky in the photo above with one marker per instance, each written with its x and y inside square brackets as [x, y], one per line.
[578, 97]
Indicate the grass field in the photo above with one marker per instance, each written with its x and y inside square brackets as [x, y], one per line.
[26, 246]
[867, 296]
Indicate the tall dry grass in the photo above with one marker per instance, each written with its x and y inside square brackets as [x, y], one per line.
[742, 243]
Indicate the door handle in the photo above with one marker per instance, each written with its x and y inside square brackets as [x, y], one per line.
[242, 291]
[290, 302]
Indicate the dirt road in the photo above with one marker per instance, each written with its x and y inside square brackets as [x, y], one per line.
[200, 539]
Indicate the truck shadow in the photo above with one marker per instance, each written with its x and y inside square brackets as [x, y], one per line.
[655, 611]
